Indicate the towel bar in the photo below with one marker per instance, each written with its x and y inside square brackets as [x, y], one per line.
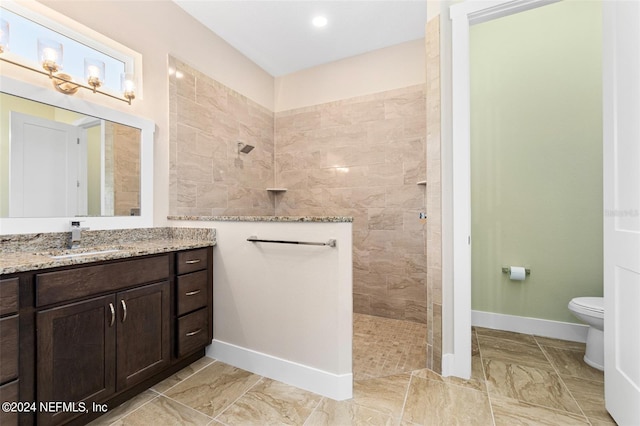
[254, 239]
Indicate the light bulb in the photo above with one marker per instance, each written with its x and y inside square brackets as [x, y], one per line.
[319, 21]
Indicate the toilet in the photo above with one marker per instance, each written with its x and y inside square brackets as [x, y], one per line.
[591, 311]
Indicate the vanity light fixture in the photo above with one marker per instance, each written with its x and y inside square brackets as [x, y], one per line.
[128, 86]
[50, 56]
[4, 35]
[94, 72]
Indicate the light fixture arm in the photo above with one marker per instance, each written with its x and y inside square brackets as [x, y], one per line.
[63, 82]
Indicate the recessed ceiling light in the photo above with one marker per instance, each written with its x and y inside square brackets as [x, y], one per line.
[319, 21]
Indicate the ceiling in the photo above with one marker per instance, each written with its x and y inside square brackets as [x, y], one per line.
[279, 36]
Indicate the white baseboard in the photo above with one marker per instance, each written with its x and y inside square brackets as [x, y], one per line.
[448, 365]
[334, 386]
[536, 326]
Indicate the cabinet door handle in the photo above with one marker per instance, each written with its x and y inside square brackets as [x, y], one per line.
[124, 310]
[193, 333]
[192, 293]
[191, 262]
[113, 314]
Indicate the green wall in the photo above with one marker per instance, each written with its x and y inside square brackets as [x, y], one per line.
[536, 159]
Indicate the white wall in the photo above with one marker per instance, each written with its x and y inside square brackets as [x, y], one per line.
[284, 311]
[378, 71]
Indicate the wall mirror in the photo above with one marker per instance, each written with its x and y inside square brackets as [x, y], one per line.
[63, 158]
[57, 162]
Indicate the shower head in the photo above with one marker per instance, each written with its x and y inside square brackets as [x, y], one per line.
[244, 148]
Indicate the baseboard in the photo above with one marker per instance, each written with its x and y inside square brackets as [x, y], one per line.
[448, 365]
[536, 326]
[334, 386]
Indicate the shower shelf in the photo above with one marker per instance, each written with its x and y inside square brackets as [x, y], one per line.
[277, 189]
[422, 182]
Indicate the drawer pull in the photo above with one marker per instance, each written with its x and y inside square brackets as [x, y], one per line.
[192, 293]
[113, 314]
[193, 333]
[124, 310]
[191, 262]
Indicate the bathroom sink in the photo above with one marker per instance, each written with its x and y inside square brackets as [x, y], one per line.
[79, 252]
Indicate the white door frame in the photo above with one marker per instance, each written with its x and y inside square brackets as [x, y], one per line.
[458, 309]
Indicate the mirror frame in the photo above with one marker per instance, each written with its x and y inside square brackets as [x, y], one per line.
[62, 224]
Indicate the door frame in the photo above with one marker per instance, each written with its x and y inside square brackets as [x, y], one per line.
[456, 314]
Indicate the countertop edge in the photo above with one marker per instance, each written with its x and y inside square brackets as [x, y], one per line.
[35, 261]
[316, 219]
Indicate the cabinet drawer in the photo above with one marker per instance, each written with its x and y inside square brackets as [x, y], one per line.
[8, 348]
[193, 331]
[192, 260]
[9, 393]
[54, 287]
[192, 292]
[8, 296]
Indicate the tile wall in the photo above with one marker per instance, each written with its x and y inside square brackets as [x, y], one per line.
[126, 167]
[208, 177]
[363, 157]
[434, 199]
[360, 157]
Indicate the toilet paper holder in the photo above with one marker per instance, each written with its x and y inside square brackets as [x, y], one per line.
[505, 270]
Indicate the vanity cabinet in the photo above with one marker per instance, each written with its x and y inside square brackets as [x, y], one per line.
[76, 358]
[102, 332]
[9, 342]
[89, 350]
[194, 322]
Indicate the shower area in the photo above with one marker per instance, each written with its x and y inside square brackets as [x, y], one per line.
[365, 158]
[362, 157]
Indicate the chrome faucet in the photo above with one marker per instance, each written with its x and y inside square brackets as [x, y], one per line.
[76, 234]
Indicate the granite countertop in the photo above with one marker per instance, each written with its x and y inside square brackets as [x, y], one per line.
[31, 252]
[325, 219]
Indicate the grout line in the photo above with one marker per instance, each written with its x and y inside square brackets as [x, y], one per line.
[539, 405]
[555, 369]
[135, 409]
[313, 411]
[186, 378]
[406, 396]
[238, 398]
[185, 405]
[484, 376]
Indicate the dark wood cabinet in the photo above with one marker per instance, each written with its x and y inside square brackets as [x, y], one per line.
[194, 301]
[9, 348]
[143, 343]
[101, 332]
[76, 354]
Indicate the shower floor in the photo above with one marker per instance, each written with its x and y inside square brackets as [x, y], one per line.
[384, 347]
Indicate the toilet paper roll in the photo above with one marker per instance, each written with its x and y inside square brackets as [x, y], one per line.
[517, 273]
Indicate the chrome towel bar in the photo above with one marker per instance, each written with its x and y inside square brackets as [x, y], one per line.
[254, 239]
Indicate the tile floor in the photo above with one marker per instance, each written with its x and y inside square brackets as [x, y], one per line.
[383, 346]
[516, 380]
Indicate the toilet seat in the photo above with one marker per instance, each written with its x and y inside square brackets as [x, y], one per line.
[593, 306]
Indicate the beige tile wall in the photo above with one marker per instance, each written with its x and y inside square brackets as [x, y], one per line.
[207, 175]
[434, 203]
[363, 157]
[359, 157]
[126, 169]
